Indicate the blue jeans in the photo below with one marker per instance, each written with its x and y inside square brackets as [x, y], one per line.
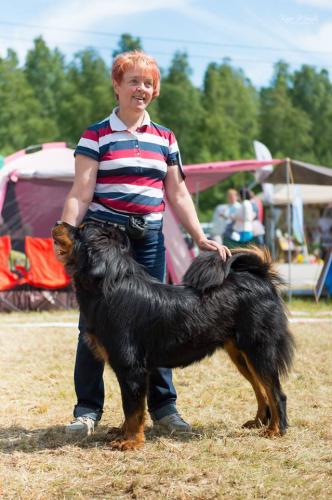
[88, 373]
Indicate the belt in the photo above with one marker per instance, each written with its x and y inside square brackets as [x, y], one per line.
[121, 219]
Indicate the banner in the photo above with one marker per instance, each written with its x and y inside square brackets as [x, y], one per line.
[263, 153]
[325, 278]
[297, 214]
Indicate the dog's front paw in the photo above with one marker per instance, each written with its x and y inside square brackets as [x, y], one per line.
[272, 432]
[126, 444]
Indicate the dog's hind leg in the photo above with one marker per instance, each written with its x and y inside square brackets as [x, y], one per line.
[133, 384]
[279, 426]
[276, 398]
[263, 411]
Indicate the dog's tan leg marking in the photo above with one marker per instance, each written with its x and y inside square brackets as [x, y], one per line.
[273, 428]
[131, 435]
[132, 432]
[262, 401]
[97, 349]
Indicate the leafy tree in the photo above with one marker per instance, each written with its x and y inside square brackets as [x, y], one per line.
[88, 94]
[180, 108]
[231, 106]
[310, 89]
[45, 72]
[127, 43]
[322, 132]
[229, 126]
[285, 128]
[312, 92]
[21, 120]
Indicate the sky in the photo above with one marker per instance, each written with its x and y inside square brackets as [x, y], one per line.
[252, 35]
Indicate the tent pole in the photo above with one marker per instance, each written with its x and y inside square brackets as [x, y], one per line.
[289, 231]
[272, 231]
[197, 197]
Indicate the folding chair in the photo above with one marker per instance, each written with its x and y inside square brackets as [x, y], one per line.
[45, 273]
[8, 280]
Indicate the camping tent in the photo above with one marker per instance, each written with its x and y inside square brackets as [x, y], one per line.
[32, 190]
[34, 184]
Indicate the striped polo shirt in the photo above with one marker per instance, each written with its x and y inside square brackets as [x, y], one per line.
[132, 166]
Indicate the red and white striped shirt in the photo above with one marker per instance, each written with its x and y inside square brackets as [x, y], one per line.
[132, 165]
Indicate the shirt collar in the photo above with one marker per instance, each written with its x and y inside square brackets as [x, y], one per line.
[118, 126]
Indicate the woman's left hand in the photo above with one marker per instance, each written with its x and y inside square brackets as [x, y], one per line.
[211, 245]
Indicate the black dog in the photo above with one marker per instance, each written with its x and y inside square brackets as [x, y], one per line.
[136, 323]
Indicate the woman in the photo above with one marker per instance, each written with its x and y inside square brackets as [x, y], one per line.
[125, 165]
[243, 218]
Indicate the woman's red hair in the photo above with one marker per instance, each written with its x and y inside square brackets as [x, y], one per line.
[129, 60]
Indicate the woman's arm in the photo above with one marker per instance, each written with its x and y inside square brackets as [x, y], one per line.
[183, 206]
[81, 193]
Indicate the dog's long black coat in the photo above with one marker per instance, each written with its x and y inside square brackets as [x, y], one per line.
[142, 324]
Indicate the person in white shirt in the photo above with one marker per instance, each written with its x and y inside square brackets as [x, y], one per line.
[243, 218]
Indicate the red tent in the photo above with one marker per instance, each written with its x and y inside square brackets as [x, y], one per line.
[201, 176]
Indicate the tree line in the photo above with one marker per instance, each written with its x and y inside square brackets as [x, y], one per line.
[48, 99]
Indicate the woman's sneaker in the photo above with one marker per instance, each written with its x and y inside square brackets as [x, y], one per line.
[172, 423]
[84, 426]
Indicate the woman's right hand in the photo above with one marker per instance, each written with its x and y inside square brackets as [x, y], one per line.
[207, 245]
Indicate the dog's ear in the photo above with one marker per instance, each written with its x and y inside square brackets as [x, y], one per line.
[63, 236]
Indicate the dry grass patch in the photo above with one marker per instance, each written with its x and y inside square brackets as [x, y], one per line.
[219, 460]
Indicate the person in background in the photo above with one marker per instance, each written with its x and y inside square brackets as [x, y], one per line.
[219, 222]
[125, 165]
[222, 224]
[233, 206]
[243, 219]
[231, 237]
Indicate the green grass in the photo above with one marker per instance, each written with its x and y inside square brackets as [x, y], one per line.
[309, 305]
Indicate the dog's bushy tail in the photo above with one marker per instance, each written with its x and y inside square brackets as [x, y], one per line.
[209, 271]
[257, 261]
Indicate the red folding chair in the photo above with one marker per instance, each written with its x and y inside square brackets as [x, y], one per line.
[45, 272]
[8, 279]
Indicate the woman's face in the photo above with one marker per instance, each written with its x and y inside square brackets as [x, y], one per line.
[135, 90]
[232, 198]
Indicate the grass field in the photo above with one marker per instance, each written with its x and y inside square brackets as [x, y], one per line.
[218, 460]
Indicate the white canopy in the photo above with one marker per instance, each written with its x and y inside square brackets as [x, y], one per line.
[311, 194]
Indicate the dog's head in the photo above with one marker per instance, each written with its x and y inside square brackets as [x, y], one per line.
[64, 236]
[89, 249]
